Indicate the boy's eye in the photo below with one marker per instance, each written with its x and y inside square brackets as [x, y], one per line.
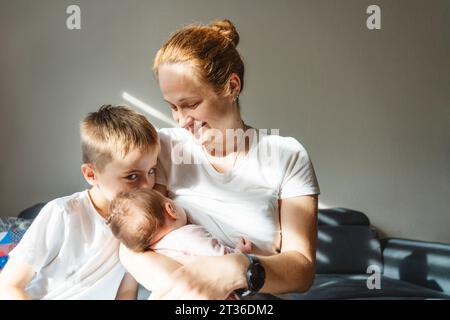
[152, 171]
[132, 177]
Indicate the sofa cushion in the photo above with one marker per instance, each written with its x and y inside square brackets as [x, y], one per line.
[342, 217]
[347, 249]
[345, 286]
[424, 263]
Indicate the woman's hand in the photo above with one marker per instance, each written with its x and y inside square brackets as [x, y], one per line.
[210, 278]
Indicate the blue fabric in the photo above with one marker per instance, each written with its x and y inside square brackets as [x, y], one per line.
[12, 230]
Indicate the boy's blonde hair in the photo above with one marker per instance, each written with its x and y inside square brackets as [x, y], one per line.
[135, 216]
[114, 131]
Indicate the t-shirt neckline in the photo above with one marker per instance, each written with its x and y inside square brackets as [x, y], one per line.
[240, 164]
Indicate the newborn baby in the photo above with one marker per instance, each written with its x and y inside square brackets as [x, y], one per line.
[144, 219]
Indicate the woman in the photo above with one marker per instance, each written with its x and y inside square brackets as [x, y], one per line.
[229, 178]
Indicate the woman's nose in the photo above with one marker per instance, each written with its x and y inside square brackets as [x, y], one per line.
[184, 119]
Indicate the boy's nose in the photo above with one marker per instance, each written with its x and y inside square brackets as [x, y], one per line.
[148, 182]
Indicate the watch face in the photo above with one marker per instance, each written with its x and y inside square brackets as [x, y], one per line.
[257, 276]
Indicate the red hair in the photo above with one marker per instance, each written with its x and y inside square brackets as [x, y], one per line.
[210, 49]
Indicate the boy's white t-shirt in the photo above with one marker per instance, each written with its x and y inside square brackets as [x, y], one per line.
[243, 201]
[73, 252]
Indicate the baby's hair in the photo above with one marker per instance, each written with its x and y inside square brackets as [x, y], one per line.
[211, 49]
[114, 131]
[135, 216]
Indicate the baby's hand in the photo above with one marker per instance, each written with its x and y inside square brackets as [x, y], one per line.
[245, 246]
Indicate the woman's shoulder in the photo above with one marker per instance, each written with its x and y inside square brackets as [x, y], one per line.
[285, 144]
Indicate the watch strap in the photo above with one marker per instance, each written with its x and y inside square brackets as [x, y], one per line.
[251, 289]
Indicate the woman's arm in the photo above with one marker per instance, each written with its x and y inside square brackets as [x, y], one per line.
[293, 269]
[290, 271]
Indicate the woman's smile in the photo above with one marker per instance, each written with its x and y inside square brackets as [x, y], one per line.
[199, 130]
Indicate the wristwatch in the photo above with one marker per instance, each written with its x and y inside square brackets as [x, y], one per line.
[256, 275]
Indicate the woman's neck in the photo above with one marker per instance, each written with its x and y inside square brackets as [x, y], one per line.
[231, 140]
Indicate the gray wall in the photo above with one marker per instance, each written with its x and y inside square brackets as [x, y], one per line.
[371, 107]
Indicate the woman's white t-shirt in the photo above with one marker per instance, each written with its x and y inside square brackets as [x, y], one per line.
[73, 252]
[240, 202]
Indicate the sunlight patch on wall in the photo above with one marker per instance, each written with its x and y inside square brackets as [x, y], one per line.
[148, 109]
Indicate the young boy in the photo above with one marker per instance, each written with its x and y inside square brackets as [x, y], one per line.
[143, 219]
[69, 252]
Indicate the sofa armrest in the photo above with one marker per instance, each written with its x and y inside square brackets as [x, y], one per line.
[32, 212]
[423, 263]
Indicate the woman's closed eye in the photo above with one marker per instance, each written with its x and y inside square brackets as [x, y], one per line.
[192, 105]
[185, 106]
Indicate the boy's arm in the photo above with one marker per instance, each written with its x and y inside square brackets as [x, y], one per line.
[128, 288]
[13, 280]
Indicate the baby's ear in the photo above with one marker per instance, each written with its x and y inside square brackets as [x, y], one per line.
[170, 210]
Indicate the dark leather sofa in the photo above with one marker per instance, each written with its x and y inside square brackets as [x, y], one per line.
[348, 246]
[353, 263]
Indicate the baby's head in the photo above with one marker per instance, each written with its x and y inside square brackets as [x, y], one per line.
[120, 149]
[141, 217]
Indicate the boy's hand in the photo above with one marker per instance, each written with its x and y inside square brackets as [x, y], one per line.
[245, 246]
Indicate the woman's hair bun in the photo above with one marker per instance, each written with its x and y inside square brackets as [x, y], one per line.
[226, 28]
